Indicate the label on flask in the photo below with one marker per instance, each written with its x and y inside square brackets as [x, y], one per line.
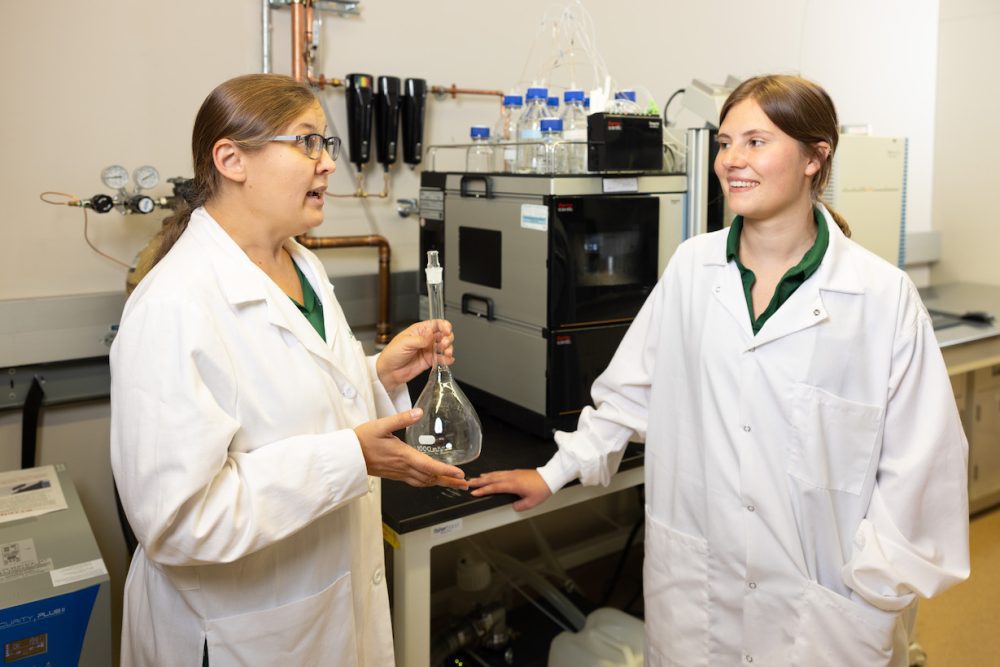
[426, 439]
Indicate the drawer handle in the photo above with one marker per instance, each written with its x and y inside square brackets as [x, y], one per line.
[467, 298]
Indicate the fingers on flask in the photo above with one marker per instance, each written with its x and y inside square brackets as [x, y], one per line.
[449, 429]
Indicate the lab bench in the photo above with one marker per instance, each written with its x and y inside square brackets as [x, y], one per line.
[417, 520]
[971, 349]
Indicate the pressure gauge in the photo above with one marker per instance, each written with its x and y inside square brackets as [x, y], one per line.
[146, 177]
[115, 177]
[141, 204]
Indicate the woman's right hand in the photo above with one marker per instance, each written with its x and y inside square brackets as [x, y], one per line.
[389, 457]
[527, 484]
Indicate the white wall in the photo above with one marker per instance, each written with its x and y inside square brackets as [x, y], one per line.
[966, 117]
[111, 81]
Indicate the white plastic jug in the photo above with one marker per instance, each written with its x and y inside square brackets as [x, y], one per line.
[610, 638]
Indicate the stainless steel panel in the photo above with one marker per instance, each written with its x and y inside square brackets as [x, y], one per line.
[671, 228]
[522, 296]
[539, 186]
[508, 362]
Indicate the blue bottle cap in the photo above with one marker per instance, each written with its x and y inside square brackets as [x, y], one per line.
[586, 102]
[513, 100]
[553, 101]
[535, 93]
[573, 96]
[552, 124]
[479, 131]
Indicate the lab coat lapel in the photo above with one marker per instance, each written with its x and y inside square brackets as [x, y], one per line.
[242, 282]
[727, 286]
[805, 307]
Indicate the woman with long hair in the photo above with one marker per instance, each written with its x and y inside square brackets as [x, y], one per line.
[805, 463]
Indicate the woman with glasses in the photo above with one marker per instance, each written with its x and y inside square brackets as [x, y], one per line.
[249, 430]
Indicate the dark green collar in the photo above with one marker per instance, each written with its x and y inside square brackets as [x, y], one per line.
[792, 279]
[311, 306]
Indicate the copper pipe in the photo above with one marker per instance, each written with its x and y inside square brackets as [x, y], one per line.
[321, 82]
[298, 37]
[384, 255]
[453, 90]
[308, 53]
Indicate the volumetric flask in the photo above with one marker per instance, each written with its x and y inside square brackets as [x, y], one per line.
[449, 430]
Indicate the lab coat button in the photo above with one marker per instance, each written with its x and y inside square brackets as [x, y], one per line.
[746, 427]
[816, 312]
[751, 508]
[749, 658]
[717, 289]
[377, 577]
[349, 392]
[753, 585]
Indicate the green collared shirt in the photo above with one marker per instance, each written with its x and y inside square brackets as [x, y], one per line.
[311, 306]
[792, 279]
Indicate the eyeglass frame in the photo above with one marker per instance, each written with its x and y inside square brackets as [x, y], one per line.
[334, 153]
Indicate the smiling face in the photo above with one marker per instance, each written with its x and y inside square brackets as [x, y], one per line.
[284, 187]
[764, 173]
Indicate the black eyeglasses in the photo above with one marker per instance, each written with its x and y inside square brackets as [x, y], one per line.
[312, 144]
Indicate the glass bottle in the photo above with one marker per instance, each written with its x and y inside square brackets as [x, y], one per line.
[449, 429]
[506, 133]
[479, 156]
[574, 121]
[552, 151]
[529, 130]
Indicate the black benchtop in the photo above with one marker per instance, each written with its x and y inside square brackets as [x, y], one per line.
[406, 508]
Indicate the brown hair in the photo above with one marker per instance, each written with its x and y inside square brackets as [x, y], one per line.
[803, 111]
[248, 110]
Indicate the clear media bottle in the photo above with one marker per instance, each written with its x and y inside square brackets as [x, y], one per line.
[552, 104]
[449, 429]
[505, 132]
[574, 122]
[479, 156]
[529, 130]
[552, 151]
[624, 102]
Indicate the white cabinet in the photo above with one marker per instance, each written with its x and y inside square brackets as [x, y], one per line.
[984, 440]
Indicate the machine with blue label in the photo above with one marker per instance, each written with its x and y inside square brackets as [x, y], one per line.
[54, 590]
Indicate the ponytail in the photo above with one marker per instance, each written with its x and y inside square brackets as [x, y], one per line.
[838, 218]
[160, 245]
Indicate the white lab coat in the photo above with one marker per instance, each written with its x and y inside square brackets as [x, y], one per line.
[803, 485]
[233, 449]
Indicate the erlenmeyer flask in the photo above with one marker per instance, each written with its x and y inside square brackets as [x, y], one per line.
[449, 430]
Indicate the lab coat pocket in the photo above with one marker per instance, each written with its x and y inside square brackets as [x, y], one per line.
[835, 631]
[675, 575]
[834, 439]
[318, 630]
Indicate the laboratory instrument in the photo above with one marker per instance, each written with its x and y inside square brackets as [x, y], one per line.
[624, 142]
[449, 429]
[543, 275]
[54, 587]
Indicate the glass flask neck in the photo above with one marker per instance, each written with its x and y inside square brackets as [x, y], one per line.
[435, 297]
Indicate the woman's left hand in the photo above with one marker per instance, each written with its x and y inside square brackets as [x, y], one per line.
[411, 352]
